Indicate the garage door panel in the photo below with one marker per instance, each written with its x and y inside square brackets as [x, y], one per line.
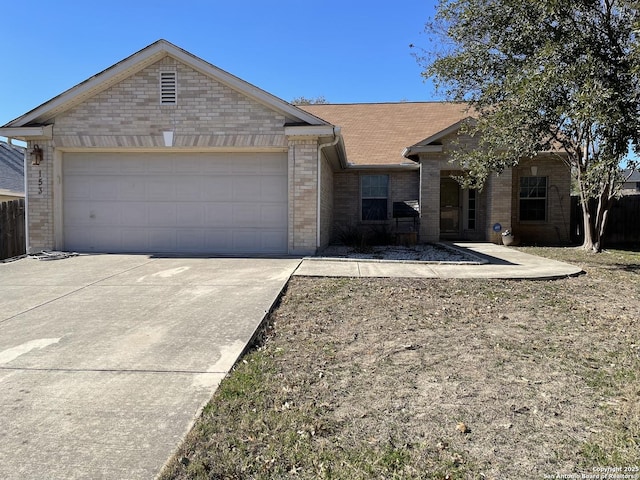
[191, 240]
[246, 189]
[242, 168]
[200, 203]
[160, 188]
[189, 189]
[271, 241]
[271, 165]
[246, 215]
[136, 239]
[133, 214]
[190, 214]
[78, 190]
[219, 214]
[219, 240]
[217, 189]
[271, 215]
[89, 214]
[274, 188]
[132, 188]
[161, 164]
[104, 188]
[162, 239]
[162, 214]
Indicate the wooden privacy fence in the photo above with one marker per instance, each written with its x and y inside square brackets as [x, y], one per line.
[12, 229]
[623, 226]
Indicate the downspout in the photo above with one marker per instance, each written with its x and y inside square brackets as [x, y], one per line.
[336, 139]
[26, 200]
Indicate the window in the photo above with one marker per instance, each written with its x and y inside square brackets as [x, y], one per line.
[374, 191]
[471, 220]
[533, 199]
[168, 88]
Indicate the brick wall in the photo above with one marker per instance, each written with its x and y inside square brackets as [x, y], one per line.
[303, 195]
[40, 200]
[326, 203]
[555, 229]
[430, 166]
[499, 203]
[207, 114]
[403, 185]
[129, 116]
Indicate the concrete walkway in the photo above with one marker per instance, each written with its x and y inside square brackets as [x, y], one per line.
[501, 262]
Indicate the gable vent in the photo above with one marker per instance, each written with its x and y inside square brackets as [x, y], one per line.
[168, 88]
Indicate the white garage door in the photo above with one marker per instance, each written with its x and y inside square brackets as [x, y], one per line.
[184, 203]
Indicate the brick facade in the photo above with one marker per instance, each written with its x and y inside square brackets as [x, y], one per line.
[40, 180]
[326, 203]
[403, 186]
[209, 116]
[499, 202]
[303, 195]
[555, 229]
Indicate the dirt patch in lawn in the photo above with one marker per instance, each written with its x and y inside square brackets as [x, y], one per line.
[405, 378]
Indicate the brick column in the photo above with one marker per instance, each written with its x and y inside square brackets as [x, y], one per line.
[303, 195]
[499, 193]
[429, 200]
[40, 199]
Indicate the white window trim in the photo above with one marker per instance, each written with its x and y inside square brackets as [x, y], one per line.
[387, 198]
[545, 198]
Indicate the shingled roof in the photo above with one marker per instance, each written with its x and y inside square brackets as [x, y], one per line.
[377, 133]
[11, 169]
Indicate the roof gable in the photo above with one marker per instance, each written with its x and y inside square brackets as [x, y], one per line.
[137, 62]
[436, 137]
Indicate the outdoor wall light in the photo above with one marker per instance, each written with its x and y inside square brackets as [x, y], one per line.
[534, 171]
[168, 138]
[36, 155]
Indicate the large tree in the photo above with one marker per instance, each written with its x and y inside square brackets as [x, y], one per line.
[556, 76]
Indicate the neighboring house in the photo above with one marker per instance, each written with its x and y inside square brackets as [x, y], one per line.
[631, 185]
[164, 152]
[11, 171]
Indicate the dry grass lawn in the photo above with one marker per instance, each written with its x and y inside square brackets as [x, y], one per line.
[442, 379]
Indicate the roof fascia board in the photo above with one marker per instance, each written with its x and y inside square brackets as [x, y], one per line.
[409, 151]
[92, 86]
[400, 166]
[309, 130]
[43, 132]
[443, 133]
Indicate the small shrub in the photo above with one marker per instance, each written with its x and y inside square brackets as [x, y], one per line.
[355, 238]
[381, 235]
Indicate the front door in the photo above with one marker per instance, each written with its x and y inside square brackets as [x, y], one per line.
[449, 208]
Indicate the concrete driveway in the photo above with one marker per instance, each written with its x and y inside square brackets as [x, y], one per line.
[105, 360]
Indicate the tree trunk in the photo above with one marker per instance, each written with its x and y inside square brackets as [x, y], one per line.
[590, 243]
[595, 225]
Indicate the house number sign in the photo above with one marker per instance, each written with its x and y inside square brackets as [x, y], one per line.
[40, 182]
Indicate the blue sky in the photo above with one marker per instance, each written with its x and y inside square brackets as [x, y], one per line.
[351, 51]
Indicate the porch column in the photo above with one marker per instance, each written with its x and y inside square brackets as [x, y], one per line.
[429, 201]
[303, 194]
[499, 204]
